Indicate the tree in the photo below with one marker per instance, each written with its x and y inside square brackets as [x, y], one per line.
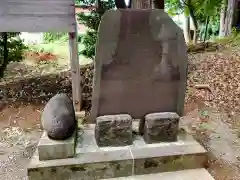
[177, 7]
[210, 10]
[186, 28]
[92, 21]
[11, 49]
[226, 19]
[50, 37]
[222, 17]
[201, 12]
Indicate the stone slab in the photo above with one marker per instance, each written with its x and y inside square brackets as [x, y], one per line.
[193, 174]
[114, 130]
[93, 162]
[49, 149]
[161, 127]
[136, 71]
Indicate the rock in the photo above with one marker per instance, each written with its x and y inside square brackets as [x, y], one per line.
[161, 127]
[58, 117]
[114, 130]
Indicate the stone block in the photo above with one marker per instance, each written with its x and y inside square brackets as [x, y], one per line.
[161, 127]
[49, 149]
[114, 130]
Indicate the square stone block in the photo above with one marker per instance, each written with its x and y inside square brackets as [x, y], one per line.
[114, 130]
[161, 127]
[49, 149]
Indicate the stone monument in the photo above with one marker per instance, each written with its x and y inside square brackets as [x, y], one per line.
[140, 73]
[140, 67]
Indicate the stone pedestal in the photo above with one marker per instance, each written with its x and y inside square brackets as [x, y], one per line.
[114, 130]
[161, 127]
[49, 149]
[92, 162]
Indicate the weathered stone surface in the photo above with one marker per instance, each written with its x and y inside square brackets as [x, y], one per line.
[161, 127]
[58, 117]
[90, 171]
[114, 130]
[169, 163]
[51, 149]
[141, 66]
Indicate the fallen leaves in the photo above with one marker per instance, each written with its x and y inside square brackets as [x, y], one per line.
[221, 72]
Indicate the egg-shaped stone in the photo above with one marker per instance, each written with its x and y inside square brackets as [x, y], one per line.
[58, 117]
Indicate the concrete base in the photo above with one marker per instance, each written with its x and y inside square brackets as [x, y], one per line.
[92, 162]
[192, 174]
[49, 149]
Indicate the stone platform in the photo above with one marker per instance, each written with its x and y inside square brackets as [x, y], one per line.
[92, 162]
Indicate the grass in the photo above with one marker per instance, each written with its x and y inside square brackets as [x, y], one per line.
[60, 49]
[233, 40]
[29, 66]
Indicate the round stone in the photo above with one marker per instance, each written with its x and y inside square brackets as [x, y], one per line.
[58, 117]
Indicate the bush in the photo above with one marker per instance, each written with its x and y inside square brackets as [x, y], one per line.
[92, 21]
[11, 49]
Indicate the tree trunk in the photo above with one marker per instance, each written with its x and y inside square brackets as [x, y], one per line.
[186, 29]
[229, 18]
[206, 29]
[195, 24]
[98, 5]
[5, 54]
[222, 18]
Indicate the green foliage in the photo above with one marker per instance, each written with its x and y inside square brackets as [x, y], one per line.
[207, 11]
[92, 21]
[235, 32]
[231, 41]
[11, 50]
[89, 40]
[52, 37]
[174, 7]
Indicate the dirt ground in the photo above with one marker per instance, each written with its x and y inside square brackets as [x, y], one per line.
[219, 138]
[19, 133]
